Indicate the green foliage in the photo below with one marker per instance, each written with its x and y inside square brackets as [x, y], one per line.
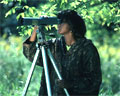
[14, 69]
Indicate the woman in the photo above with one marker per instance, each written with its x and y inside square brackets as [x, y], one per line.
[77, 58]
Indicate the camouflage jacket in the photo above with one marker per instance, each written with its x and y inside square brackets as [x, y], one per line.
[79, 67]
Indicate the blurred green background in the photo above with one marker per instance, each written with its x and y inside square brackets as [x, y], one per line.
[102, 19]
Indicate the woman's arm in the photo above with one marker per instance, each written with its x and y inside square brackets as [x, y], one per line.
[29, 47]
[33, 36]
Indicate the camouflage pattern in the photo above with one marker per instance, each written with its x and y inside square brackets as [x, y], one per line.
[79, 67]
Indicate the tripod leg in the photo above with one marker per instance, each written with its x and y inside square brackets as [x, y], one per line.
[30, 73]
[46, 70]
[56, 69]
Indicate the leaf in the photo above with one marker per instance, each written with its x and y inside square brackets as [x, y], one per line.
[18, 16]
[8, 13]
[22, 14]
[52, 0]
[55, 26]
[31, 10]
[46, 27]
[4, 2]
[66, 1]
[84, 0]
[116, 29]
[26, 7]
[13, 11]
[19, 0]
[50, 27]
[29, 32]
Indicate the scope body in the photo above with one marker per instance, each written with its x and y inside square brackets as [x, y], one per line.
[38, 21]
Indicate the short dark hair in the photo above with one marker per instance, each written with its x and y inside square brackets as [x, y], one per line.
[75, 21]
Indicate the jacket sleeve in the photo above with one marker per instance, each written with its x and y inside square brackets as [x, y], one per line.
[29, 50]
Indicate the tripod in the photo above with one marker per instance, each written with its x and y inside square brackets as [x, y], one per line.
[43, 47]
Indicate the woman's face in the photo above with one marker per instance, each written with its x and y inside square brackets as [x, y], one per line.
[63, 28]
